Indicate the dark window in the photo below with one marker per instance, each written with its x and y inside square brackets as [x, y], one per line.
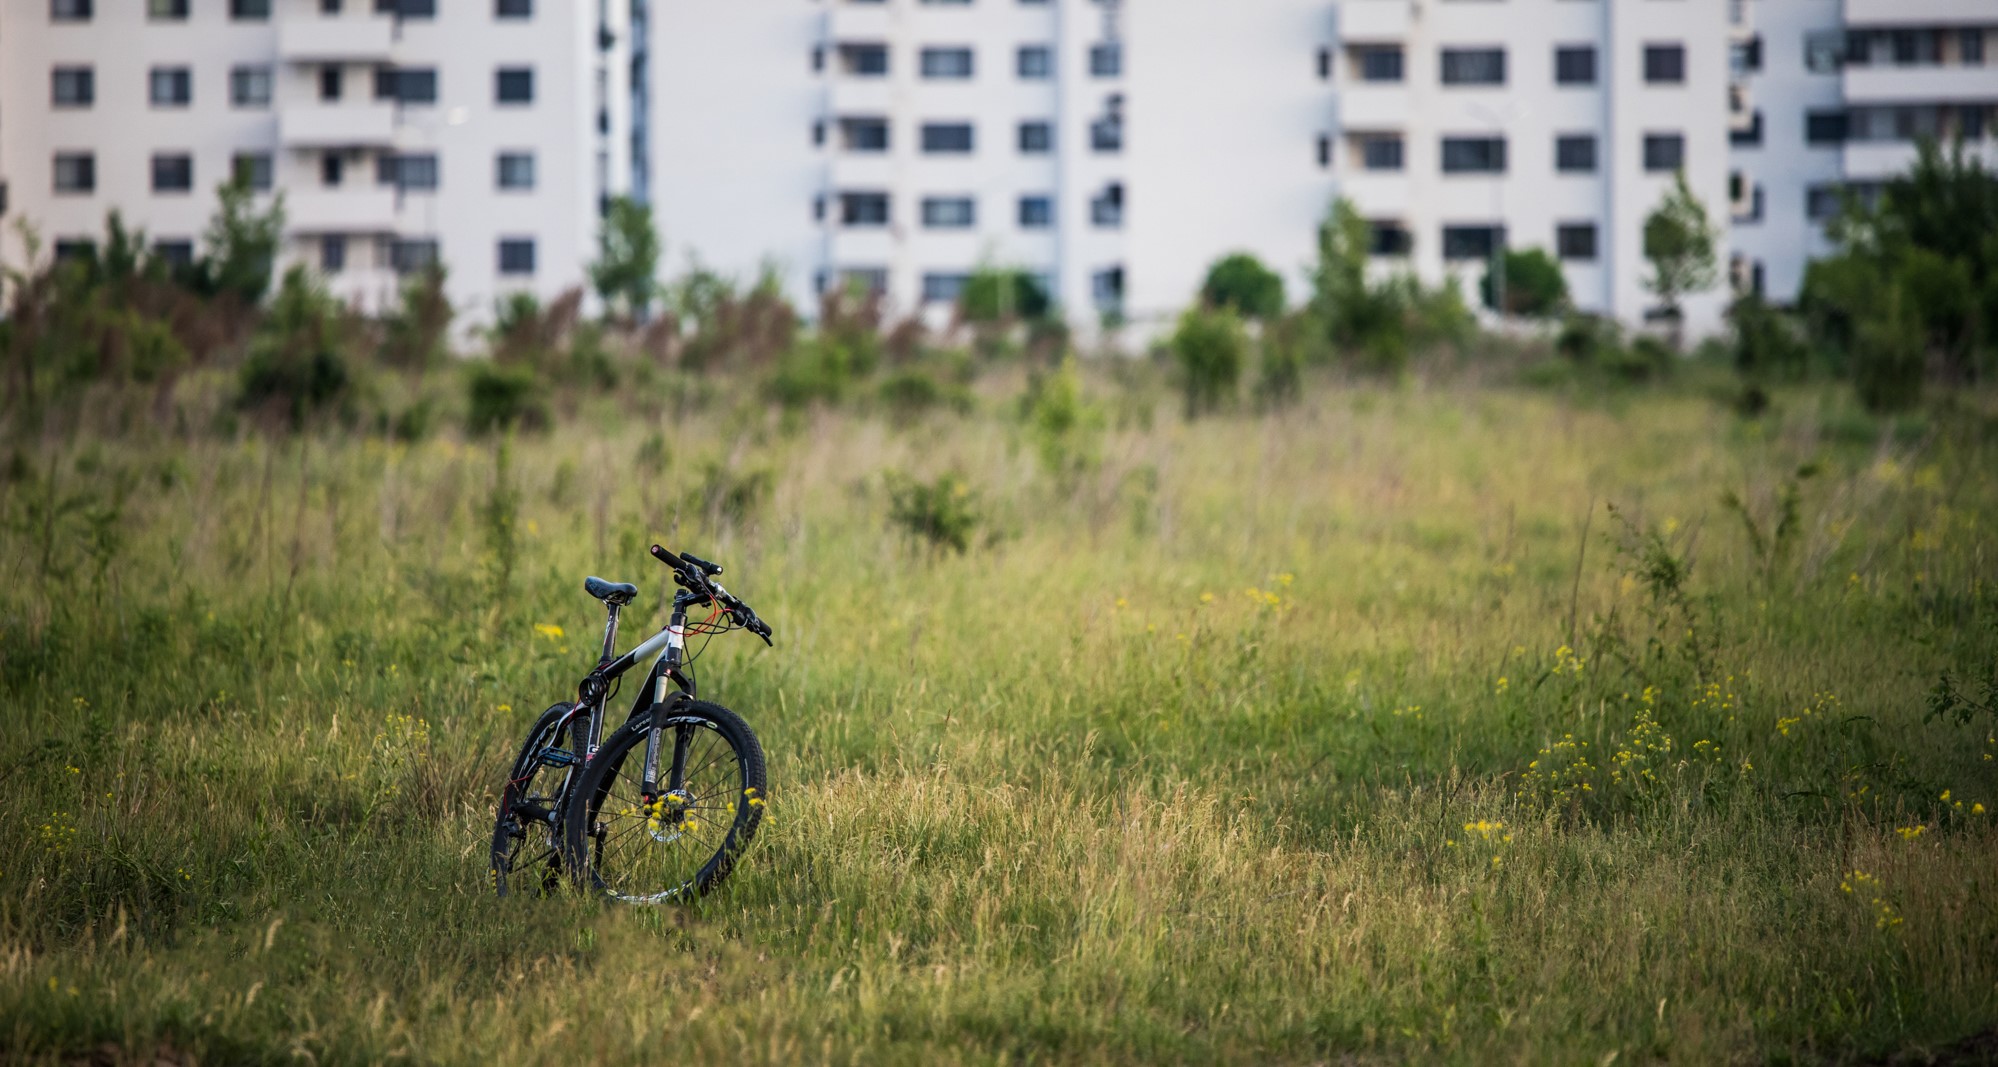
[75, 172]
[818, 132]
[1664, 151]
[942, 287]
[1745, 57]
[73, 248]
[1036, 138]
[330, 83]
[514, 85]
[513, 9]
[1575, 241]
[1665, 64]
[407, 85]
[72, 87]
[1106, 209]
[1575, 153]
[516, 255]
[250, 86]
[1036, 212]
[1473, 155]
[1822, 202]
[947, 137]
[1381, 152]
[1388, 238]
[1324, 64]
[408, 171]
[1106, 287]
[514, 171]
[863, 209]
[1106, 60]
[1749, 136]
[1471, 242]
[170, 87]
[176, 254]
[333, 253]
[69, 10]
[332, 169]
[1474, 66]
[173, 172]
[1034, 61]
[1826, 127]
[949, 212]
[1324, 150]
[1575, 65]
[329, 7]
[1970, 45]
[863, 134]
[253, 168]
[166, 10]
[408, 9]
[407, 255]
[864, 60]
[1824, 51]
[1378, 63]
[1107, 133]
[250, 9]
[946, 63]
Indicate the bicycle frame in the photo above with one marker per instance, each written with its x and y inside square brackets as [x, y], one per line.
[593, 693]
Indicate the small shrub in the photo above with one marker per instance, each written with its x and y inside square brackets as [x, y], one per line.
[1280, 379]
[1534, 284]
[500, 398]
[1064, 425]
[911, 392]
[1003, 296]
[1243, 285]
[1767, 343]
[1888, 356]
[820, 371]
[295, 368]
[1587, 339]
[940, 515]
[1210, 347]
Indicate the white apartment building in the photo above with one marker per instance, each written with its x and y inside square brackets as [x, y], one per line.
[1831, 94]
[480, 133]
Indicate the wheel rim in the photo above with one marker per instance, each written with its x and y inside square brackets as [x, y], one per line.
[648, 852]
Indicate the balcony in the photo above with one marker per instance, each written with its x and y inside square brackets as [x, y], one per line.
[1919, 84]
[1374, 20]
[337, 125]
[1364, 106]
[320, 39]
[350, 209]
[1915, 13]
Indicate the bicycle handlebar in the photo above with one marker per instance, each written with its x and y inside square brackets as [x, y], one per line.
[695, 574]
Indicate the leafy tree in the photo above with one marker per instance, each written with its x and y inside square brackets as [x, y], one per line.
[1242, 284]
[1534, 284]
[1679, 241]
[1211, 347]
[627, 257]
[242, 244]
[1003, 296]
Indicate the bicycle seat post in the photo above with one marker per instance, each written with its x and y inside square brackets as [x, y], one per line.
[610, 632]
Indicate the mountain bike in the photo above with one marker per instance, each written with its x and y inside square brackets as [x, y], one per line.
[661, 809]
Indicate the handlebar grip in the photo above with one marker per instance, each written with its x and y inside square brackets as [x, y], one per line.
[668, 558]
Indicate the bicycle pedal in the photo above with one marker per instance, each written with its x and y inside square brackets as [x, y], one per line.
[560, 757]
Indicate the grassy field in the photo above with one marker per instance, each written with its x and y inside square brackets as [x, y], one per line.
[1439, 723]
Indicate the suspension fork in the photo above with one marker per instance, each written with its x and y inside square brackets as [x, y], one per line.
[668, 669]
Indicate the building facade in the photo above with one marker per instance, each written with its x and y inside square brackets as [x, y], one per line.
[481, 135]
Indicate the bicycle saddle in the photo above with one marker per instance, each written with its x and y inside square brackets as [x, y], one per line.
[610, 592]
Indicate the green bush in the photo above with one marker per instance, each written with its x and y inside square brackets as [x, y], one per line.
[1888, 355]
[1210, 347]
[1767, 343]
[296, 369]
[1534, 284]
[1065, 426]
[819, 371]
[1243, 285]
[940, 515]
[1000, 296]
[1586, 339]
[911, 392]
[503, 397]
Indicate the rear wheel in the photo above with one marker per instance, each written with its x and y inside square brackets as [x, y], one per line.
[683, 841]
[526, 849]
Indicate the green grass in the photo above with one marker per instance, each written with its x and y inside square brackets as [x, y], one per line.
[1077, 795]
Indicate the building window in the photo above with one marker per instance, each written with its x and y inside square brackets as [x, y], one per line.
[330, 83]
[1106, 209]
[333, 253]
[1665, 64]
[1378, 62]
[1575, 65]
[1472, 242]
[329, 7]
[1576, 241]
[1473, 155]
[1106, 288]
[1034, 61]
[1036, 138]
[863, 209]
[75, 172]
[409, 171]
[1386, 237]
[1036, 212]
[252, 168]
[1107, 133]
[1825, 127]
[250, 10]
[513, 9]
[1821, 202]
[516, 255]
[1664, 152]
[177, 254]
[863, 134]
[406, 85]
[72, 87]
[941, 287]
[1824, 51]
[949, 212]
[69, 10]
[1970, 46]
[946, 63]
[166, 10]
[1324, 64]
[1575, 153]
[514, 171]
[1745, 57]
[1106, 60]
[1474, 66]
[513, 85]
[332, 169]
[1381, 151]
[170, 87]
[250, 86]
[68, 249]
[947, 137]
[407, 9]
[408, 255]
[1324, 150]
[1748, 136]
[864, 60]
[173, 172]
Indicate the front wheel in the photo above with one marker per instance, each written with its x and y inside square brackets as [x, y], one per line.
[683, 840]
